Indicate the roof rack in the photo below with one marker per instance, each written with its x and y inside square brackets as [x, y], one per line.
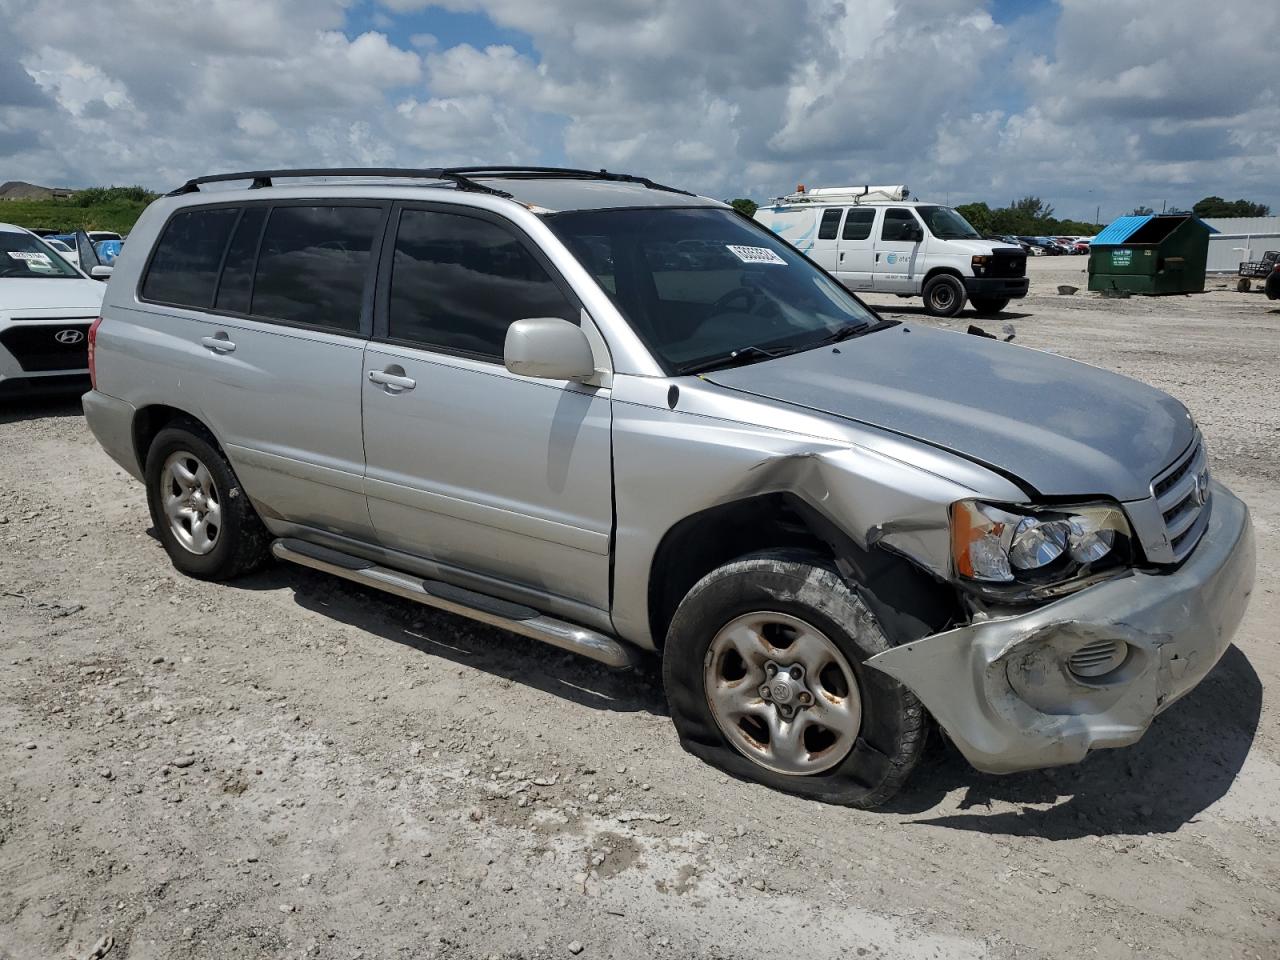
[462, 178]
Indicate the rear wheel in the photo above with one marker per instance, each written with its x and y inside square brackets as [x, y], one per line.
[944, 295]
[206, 523]
[1243, 285]
[988, 305]
[766, 676]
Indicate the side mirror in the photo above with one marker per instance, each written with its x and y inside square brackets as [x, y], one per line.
[101, 272]
[549, 348]
[915, 234]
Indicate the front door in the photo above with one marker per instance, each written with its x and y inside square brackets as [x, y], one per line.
[467, 464]
[898, 259]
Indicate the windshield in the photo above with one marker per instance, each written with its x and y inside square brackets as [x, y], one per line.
[945, 224]
[22, 255]
[703, 283]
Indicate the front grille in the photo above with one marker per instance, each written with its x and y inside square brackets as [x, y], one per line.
[1007, 263]
[53, 345]
[1182, 494]
[1098, 658]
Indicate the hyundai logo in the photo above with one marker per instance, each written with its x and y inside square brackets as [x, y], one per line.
[68, 336]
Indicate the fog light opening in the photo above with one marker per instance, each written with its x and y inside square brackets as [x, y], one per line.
[1097, 659]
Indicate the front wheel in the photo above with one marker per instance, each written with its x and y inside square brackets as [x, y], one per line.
[944, 295]
[985, 306]
[766, 676]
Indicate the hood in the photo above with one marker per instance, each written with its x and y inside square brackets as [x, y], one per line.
[1062, 427]
[55, 296]
[975, 247]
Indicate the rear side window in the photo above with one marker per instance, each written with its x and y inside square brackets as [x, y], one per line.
[237, 270]
[857, 225]
[313, 264]
[899, 224]
[830, 226]
[184, 268]
[458, 282]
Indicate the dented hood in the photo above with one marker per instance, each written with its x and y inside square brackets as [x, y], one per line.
[1062, 427]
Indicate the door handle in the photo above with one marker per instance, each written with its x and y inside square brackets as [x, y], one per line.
[842, 258]
[392, 381]
[877, 258]
[218, 344]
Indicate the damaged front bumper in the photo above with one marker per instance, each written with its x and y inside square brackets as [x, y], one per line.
[1009, 693]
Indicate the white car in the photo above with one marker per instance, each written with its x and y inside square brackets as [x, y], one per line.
[46, 307]
[69, 253]
[875, 239]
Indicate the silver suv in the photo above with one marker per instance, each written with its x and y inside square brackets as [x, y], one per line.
[617, 417]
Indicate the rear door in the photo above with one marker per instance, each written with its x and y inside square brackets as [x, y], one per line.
[899, 251]
[273, 354]
[825, 252]
[469, 465]
[856, 250]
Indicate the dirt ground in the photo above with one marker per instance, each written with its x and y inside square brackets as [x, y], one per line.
[290, 766]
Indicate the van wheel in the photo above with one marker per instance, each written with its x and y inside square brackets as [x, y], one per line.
[944, 295]
[765, 672]
[986, 306]
[206, 523]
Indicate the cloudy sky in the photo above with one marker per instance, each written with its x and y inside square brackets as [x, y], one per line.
[1083, 102]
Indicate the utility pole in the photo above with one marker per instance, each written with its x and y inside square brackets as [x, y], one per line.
[1097, 216]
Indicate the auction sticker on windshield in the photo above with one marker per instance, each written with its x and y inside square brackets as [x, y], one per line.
[28, 255]
[755, 254]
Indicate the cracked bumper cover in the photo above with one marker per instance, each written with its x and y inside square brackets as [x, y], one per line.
[1002, 690]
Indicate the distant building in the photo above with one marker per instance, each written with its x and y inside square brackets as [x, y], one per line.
[1240, 238]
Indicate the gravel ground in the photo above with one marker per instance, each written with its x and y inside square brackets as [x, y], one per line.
[290, 766]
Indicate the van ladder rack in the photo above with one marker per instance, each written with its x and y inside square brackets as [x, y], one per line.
[463, 178]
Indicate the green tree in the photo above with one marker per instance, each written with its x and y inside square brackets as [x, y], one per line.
[1217, 207]
[1142, 212]
[978, 214]
[744, 206]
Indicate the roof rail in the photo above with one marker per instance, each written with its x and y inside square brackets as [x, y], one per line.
[463, 178]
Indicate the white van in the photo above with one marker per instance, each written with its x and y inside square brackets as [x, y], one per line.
[873, 238]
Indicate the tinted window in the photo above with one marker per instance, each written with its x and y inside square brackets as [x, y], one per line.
[459, 282]
[899, 224]
[830, 225]
[857, 225]
[184, 268]
[237, 270]
[313, 264]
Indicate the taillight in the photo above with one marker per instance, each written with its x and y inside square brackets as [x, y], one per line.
[93, 343]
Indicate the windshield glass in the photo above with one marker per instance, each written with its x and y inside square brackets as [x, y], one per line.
[945, 224]
[698, 284]
[22, 255]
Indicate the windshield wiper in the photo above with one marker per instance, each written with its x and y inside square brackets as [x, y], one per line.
[851, 330]
[735, 358]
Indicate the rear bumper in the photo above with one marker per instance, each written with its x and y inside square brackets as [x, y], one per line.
[42, 384]
[1002, 688]
[996, 288]
[111, 421]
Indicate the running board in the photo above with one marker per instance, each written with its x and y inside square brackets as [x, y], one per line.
[514, 617]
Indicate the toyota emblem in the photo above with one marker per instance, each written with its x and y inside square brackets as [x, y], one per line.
[68, 337]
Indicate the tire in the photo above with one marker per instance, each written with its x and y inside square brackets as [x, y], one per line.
[861, 769]
[1243, 285]
[232, 541]
[944, 295]
[986, 306]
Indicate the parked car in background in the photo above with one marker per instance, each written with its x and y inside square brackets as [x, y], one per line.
[69, 253]
[830, 526]
[869, 241]
[1082, 246]
[96, 235]
[46, 307]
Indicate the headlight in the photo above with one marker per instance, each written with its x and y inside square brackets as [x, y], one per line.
[1042, 548]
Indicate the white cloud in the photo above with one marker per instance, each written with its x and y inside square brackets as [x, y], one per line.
[1092, 101]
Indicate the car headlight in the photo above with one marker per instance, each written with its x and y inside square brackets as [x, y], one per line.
[1040, 548]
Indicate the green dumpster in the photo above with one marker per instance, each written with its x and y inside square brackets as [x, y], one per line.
[1151, 255]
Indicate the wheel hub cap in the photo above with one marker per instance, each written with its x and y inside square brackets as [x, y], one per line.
[191, 502]
[782, 693]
